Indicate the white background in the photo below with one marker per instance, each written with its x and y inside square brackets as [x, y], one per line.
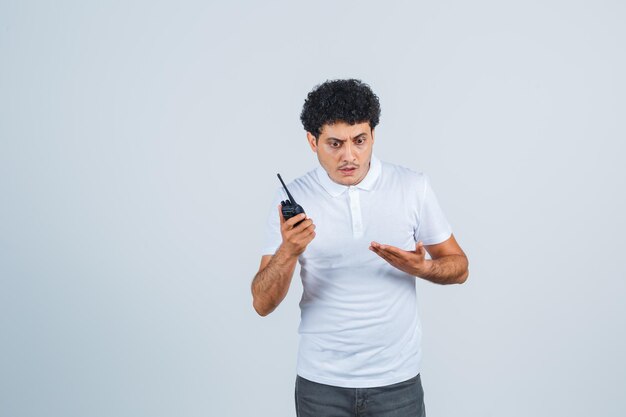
[139, 143]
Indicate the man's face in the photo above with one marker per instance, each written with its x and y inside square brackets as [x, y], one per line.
[344, 151]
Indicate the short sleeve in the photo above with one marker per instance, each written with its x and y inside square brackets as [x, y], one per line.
[271, 234]
[433, 227]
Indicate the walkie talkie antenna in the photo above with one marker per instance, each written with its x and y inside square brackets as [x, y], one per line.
[288, 193]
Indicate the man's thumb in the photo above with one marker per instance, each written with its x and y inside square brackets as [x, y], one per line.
[280, 214]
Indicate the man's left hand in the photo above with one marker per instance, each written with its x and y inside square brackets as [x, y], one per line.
[412, 262]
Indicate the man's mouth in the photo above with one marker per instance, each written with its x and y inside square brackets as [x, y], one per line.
[347, 170]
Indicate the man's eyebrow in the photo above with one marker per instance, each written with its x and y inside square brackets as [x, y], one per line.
[343, 140]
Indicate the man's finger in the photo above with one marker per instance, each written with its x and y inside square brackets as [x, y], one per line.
[385, 247]
[280, 215]
[303, 224]
[382, 254]
[420, 249]
[295, 219]
[377, 251]
[392, 250]
[304, 228]
[377, 248]
[309, 236]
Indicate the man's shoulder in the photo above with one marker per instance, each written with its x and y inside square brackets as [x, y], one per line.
[403, 173]
[306, 180]
[303, 183]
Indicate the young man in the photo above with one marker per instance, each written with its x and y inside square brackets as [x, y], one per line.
[362, 242]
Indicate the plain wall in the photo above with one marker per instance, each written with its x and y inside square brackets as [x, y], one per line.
[139, 143]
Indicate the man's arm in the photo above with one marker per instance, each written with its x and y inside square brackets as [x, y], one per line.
[271, 284]
[448, 265]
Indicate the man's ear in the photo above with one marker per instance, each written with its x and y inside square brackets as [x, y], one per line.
[312, 141]
[372, 135]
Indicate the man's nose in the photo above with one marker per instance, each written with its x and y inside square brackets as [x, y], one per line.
[348, 152]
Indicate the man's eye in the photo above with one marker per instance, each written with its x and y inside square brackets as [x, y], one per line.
[360, 141]
[334, 144]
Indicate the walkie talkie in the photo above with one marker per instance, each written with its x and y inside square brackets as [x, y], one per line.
[289, 207]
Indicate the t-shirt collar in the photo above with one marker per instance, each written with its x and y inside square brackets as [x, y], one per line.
[366, 183]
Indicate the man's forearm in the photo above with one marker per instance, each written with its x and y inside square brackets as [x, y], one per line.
[450, 269]
[271, 284]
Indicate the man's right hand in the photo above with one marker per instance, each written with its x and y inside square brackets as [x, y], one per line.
[296, 238]
[271, 283]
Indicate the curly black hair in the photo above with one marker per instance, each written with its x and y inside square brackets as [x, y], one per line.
[350, 101]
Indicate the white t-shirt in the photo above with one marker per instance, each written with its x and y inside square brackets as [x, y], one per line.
[359, 322]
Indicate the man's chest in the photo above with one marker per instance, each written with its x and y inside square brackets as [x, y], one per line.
[345, 226]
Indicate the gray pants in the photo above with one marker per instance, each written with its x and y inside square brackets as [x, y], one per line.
[404, 399]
